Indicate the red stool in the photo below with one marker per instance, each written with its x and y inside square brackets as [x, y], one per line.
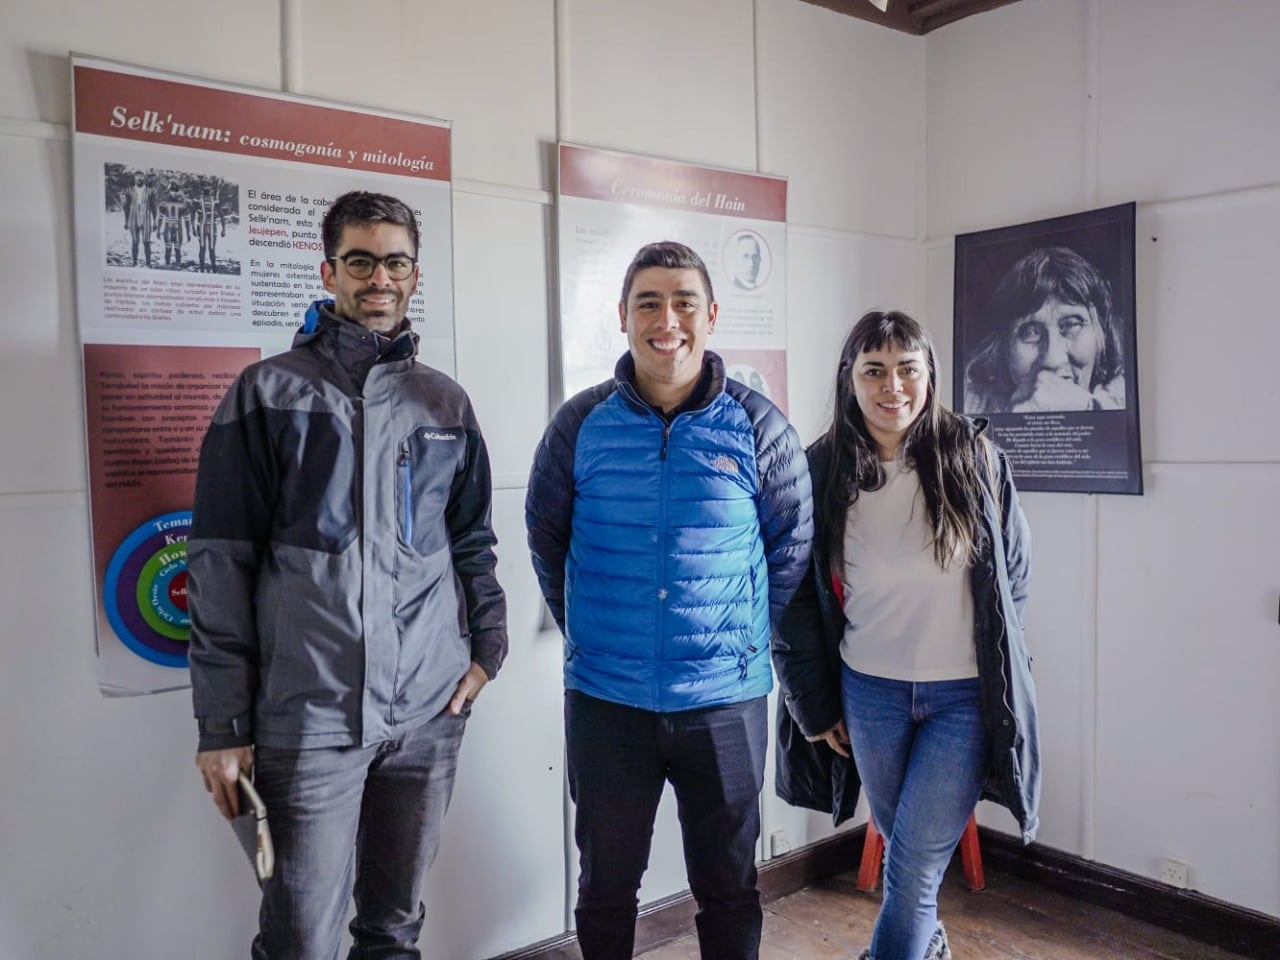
[873, 855]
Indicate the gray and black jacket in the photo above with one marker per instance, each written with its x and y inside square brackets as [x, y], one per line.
[341, 556]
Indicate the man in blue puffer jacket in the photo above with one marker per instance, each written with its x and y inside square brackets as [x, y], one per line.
[670, 520]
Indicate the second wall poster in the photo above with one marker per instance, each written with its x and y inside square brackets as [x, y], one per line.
[611, 204]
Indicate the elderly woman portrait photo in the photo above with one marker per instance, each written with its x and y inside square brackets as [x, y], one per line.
[1053, 340]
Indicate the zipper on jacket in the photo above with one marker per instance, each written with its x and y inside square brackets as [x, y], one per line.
[744, 660]
[406, 490]
[1002, 642]
[656, 691]
[1001, 645]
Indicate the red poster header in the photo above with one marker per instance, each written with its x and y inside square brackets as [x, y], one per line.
[136, 107]
[650, 182]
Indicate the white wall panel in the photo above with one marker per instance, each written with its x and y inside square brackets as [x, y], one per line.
[832, 279]
[1059, 632]
[1189, 97]
[233, 40]
[666, 78]
[841, 115]
[42, 430]
[500, 319]
[486, 66]
[498, 883]
[110, 841]
[1207, 330]
[1189, 656]
[936, 314]
[1008, 123]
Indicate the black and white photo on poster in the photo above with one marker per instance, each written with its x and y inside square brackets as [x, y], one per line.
[168, 219]
[1046, 348]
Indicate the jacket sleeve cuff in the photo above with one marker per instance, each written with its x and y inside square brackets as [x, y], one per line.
[814, 715]
[489, 649]
[217, 733]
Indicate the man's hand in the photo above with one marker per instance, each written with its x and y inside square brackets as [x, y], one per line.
[220, 769]
[837, 738]
[468, 688]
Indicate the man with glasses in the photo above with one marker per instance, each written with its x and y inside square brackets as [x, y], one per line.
[344, 608]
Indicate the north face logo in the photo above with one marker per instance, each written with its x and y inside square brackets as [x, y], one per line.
[725, 464]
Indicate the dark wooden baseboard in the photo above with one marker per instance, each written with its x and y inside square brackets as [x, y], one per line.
[1193, 914]
[1187, 912]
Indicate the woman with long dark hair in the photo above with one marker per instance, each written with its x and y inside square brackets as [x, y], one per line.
[904, 648]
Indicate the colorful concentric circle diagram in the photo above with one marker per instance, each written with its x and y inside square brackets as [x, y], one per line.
[145, 590]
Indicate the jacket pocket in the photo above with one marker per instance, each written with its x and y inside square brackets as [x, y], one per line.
[427, 464]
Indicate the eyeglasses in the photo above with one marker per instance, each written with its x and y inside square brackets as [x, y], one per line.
[362, 265]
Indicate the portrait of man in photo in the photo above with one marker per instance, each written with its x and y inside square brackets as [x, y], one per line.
[747, 261]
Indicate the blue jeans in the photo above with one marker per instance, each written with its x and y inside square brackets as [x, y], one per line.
[922, 754]
[362, 821]
[619, 760]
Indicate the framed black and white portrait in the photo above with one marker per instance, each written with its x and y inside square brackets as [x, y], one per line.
[1046, 348]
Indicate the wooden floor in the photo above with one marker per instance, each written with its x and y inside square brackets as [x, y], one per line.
[1011, 919]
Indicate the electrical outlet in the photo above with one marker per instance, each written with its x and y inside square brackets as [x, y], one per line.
[1174, 873]
[778, 843]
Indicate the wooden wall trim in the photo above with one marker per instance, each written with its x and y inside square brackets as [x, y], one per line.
[1188, 912]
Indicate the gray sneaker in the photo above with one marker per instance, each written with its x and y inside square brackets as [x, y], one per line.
[938, 948]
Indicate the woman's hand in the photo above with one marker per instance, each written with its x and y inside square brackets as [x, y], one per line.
[837, 738]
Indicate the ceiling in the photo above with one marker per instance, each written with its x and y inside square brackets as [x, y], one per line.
[913, 16]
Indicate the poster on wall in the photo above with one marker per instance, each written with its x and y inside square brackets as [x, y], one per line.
[198, 208]
[611, 204]
[1046, 348]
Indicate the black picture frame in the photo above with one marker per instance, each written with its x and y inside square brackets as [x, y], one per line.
[1045, 348]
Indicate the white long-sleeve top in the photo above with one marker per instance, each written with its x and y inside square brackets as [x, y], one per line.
[907, 618]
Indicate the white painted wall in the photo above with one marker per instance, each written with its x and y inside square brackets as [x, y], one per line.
[1153, 619]
[1156, 656]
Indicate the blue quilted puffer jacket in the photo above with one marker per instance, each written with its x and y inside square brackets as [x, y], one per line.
[666, 547]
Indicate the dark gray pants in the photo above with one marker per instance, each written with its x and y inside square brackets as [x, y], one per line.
[362, 821]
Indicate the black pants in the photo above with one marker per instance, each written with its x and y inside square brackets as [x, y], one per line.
[620, 759]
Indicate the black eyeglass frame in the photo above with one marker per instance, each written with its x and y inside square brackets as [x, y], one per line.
[364, 255]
